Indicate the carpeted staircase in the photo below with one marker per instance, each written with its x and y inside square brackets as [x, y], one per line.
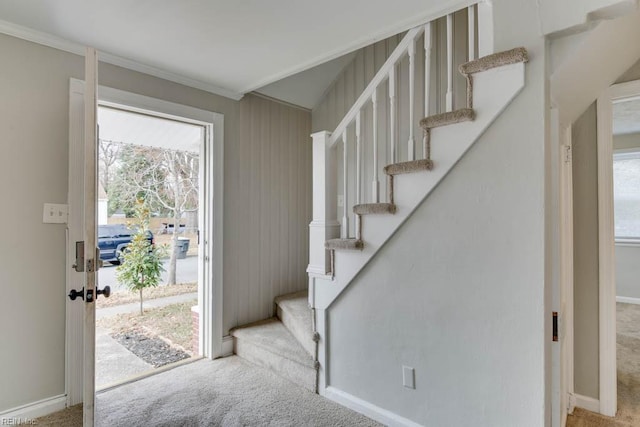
[285, 344]
[461, 115]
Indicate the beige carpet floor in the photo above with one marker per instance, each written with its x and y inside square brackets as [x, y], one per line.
[70, 417]
[628, 356]
[223, 392]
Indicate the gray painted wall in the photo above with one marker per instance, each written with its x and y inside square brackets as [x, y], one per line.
[627, 257]
[34, 111]
[269, 196]
[34, 82]
[585, 254]
[628, 271]
[626, 141]
[458, 292]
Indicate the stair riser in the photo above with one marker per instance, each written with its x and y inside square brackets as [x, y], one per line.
[304, 376]
[298, 329]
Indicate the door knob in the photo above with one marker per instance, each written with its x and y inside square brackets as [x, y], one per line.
[106, 291]
[75, 294]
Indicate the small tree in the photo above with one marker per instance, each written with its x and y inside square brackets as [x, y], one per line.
[141, 264]
[166, 179]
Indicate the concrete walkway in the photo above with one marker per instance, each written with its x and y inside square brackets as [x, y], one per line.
[114, 362]
[134, 307]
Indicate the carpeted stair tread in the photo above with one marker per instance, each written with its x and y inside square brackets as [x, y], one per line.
[347, 244]
[409, 167]
[513, 56]
[295, 314]
[271, 335]
[449, 118]
[374, 209]
[294, 298]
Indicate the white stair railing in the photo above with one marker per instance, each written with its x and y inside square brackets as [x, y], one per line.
[363, 122]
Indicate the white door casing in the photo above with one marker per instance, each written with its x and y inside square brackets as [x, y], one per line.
[211, 218]
[210, 272]
[566, 276]
[606, 243]
[561, 258]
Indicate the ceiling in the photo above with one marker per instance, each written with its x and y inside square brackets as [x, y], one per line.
[626, 116]
[139, 129]
[225, 47]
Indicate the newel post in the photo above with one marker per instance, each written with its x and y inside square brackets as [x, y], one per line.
[325, 223]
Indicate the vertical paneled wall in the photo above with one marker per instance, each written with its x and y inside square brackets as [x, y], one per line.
[269, 192]
[350, 84]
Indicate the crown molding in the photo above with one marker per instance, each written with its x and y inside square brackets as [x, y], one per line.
[59, 43]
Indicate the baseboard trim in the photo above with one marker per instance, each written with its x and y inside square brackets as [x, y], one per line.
[628, 300]
[588, 403]
[227, 346]
[30, 411]
[365, 408]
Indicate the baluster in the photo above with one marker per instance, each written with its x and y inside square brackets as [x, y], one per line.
[484, 10]
[392, 113]
[345, 180]
[427, 79]
[471, 17]
[375, 184]
[358, 158]
[412, 70]
[449, 96]
[358, 172]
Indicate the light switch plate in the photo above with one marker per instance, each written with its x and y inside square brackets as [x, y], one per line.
[55, 213]
[408, 377]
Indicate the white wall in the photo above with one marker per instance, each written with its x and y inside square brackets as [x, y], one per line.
[558, 16]
[34, 121]
[459, 292]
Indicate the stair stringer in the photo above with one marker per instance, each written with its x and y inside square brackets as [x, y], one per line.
[493, 91]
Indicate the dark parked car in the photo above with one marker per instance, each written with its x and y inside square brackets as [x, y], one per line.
[113, 239]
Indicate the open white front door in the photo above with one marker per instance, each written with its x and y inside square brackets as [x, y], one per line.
[92, 261]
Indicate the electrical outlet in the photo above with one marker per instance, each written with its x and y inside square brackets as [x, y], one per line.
[55, 213]
[408, 377]
[340, 201]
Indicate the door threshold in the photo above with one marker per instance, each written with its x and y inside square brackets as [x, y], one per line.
[147, 374]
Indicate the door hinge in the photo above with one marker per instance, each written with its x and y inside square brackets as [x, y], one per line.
[567, 154]
[555, 326]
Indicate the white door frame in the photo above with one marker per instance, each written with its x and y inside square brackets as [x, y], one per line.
[606, 237]
[562, 267]
[209, 297]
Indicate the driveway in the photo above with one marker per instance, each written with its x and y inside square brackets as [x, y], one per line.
[186, 271]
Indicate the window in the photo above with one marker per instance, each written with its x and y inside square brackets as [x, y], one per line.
[626, 195]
